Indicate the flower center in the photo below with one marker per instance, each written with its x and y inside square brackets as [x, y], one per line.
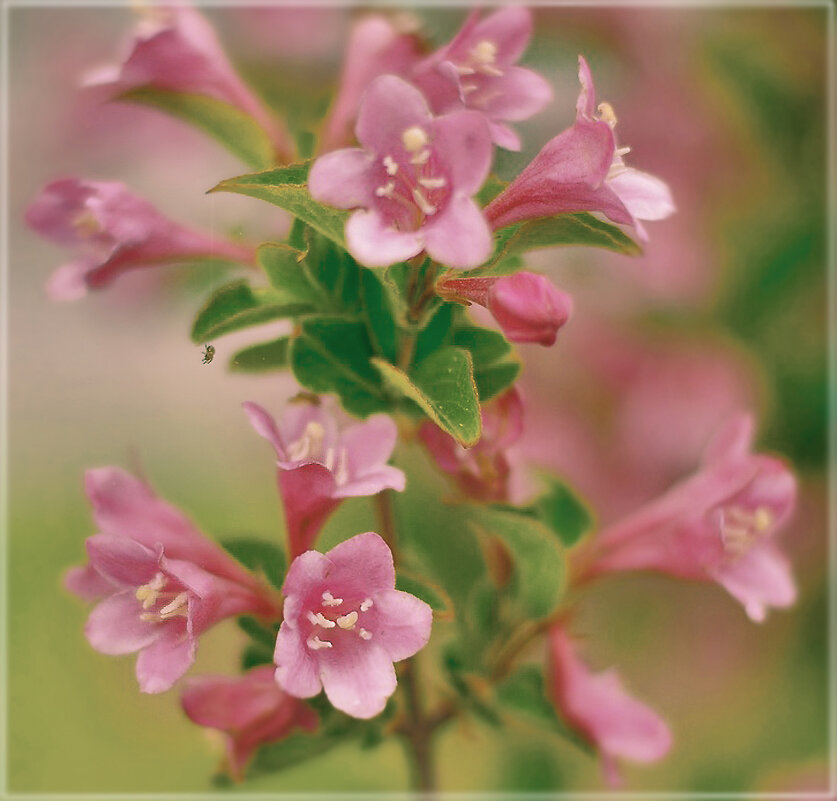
[482, 59]
[741, 528]
[333, 616]
[86, 225]
[154, 591]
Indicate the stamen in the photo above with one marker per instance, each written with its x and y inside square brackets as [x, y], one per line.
[386, 190]
[390, 165]
[364, 634]
[432, 183]
[320, 620]
[148, 593]
[485, 52]
[176, 607]
[341, 474]
[86, 224]
[763, 518]
[622, 151]
[347, 622]
[309, 443]
[366, 604]
[414, 139]
[421, 157]
[422, 202]
[316, 644]
[467, 88]
[330, 600]
[607, 114]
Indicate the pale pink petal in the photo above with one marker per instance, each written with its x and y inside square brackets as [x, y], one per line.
[459, 236]
[358, 680]
[364, 559]
[121, 560]
[402, 624]
[586, 104]
[69, 282]
[529, 308]
[307, 569]
[734, 439]
[296, 669]
[87, 583]
[510, 29]
[308, 496]
[369, 444]
[385, 477]
[504, 136]
[462, 141]
[389, 107]
[231, 702]
[344, 179]
[265, 426]
[163, 662]
[645, 196]
[518, 94]
[374, 243]
[114, 626]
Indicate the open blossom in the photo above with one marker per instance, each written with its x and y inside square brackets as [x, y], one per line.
[601, 710]
[345, 624]
[251, 710]
[319, 466]
[411, 181]
[481, 472]
[476, 70]
[114, 230]
[527, 306]
[718, 525]
[582, 169]
[378, 45]
[175, 48]
[162, 583]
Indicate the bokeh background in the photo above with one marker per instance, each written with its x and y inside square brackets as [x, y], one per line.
[727, 308]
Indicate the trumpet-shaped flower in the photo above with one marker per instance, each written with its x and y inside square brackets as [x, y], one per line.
[176, 49]
[601, 710]
[114, 231]
[251, 710]
[411, 181]
[527, 306]
[718, 525]
[162, 582]
[582, 169]
[345, 624]
[476, 70]
[319, 466]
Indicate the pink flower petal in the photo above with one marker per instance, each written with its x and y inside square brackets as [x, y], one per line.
[358, 680]
[586, 104]
[87, 583]
[645, 196]
[369, 444]
[163, 662]
[389, 107]
[69, 282]
[344, 179]
[364, 559]
[459, 236]
[376, 244]
[505, 136]
[308, 495]
[462, 140]
[121, 560]
[733, 440]
[510, 29]
[383, 478]
[402, 625]
[114, 626]
[296, 670]
[519, 93]
[306, 569]
[265, 426]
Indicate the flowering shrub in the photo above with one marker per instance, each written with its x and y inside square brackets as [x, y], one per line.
[398, 226]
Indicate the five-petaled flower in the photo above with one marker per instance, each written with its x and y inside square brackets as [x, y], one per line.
[411, 181]
[717, 525]
[114, 230]
[162, 582]
[319, 466]
[251, 710]
[345, 624]
[476, 70]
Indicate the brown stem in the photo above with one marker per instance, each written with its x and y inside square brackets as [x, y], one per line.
[418, 732]
[386, 521]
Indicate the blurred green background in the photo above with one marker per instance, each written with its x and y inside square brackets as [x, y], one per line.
[728, 105]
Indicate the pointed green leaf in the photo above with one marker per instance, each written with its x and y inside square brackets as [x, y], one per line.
[237, 305]
[287, 274]
[436, 332]
[286, 187]
[273, 355]
[496, 367]
[562, 511]
[431, 594]
[379, 315]
[443, 386]
[263, 635]
[260, 556]
[234, 129]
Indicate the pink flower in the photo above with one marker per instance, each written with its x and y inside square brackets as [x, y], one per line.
[601, 710]
[412, 180]
[527, 306]
[376, 46]
[114, 230]
[175, 48]
[162, 581]
[319, 466]
[718, 525]
[482, 472]
[345, 624]
[476, 71]
[251, 710]
[582, 169]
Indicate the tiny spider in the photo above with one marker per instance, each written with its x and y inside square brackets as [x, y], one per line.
[208, 354]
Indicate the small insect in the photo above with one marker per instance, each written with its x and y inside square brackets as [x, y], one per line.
[208, 354]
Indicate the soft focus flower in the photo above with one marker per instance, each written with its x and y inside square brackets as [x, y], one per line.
[251, 710]
[411, 181]
[175, 48]
[345, 624]
[482, 472]
[162, 582]
[527, 306]
[718, 525]
[377, 45]
[601, 710]
[582, 169]
[319, 466]
[476, 71]
[114, 230]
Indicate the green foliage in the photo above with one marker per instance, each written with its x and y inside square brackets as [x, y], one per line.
[260, 556]
[286, 187]
[274, 355]
[430, 593]
[378, 314]
[562, 512]
[496, 367]
[233, 128]
[261, 635]
[287, 273]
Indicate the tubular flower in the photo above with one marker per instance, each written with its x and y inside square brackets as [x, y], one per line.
[319, 466]
[601, 710]
[582, 169]
[345, 624]
[718, 525]
[476, 70]
[114, 231]
[411, 181]
[527, 306]
[251, 710]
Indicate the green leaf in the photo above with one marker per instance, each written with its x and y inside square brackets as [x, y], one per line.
[286, 187]
[538, 558]
[493, 379]
[259, 556]
[562, 511]
[237, 305]
[495, 365]
[432, 594]
[379, 315]
[233, 128]
[287, 274]
[274, 355]
[443, 386]
[332, 354]
[436, 332]
[490, 189]
[255, 654]
[256, 631]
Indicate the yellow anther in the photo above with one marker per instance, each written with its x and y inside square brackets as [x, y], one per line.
[320, 620]
[348, 621]
[607, 114]
[330, 600]
[309, 444]
[86, 224]
[366, 604]
[414, 139]
[763, 518]
[485, 52]
[179, 606]
[148, 593]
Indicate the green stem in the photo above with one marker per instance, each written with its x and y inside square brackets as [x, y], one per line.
[386, 521]
[418, 732]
